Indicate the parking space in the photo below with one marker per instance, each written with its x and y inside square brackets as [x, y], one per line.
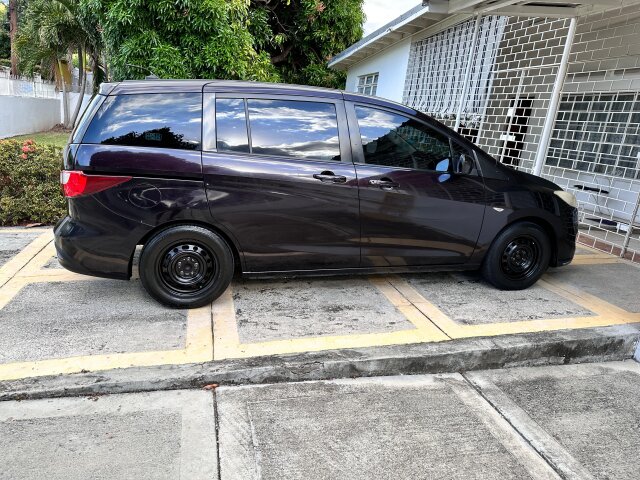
[58, 322]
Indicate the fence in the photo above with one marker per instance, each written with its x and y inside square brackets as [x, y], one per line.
[506, 90]
[26, 87]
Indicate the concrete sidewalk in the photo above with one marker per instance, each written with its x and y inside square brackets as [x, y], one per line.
[570, 422]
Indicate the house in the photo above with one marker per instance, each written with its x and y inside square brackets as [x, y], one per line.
[550, 87]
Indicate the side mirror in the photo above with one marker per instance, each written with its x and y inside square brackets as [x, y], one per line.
[463, 165]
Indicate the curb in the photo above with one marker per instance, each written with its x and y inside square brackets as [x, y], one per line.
[548, 348]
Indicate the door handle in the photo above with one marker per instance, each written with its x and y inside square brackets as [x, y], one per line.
[330, 177]
[384, 183]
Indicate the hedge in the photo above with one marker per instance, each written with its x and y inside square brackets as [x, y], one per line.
[30, 183]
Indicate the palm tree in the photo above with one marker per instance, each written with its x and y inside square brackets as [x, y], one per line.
[50, 30]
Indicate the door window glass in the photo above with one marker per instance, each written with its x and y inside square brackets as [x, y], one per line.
[231, 125]
[397, 141]
[292, 128]
[148, 120]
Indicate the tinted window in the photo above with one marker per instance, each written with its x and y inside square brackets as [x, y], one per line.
[231, 125]
[294, 129]
[86, 116]
[148, 120]
[397, 141]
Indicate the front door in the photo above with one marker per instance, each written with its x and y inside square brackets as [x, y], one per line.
[421, 197]
[281, 181]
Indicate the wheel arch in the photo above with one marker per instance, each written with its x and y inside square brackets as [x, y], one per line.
[235, 250]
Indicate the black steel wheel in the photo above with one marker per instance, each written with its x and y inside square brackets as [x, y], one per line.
[518, 256]
[186, 266]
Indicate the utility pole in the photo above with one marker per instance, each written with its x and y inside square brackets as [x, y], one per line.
[13, 30]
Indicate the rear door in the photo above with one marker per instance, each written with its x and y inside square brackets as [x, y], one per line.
[280, 180]
[421, 196]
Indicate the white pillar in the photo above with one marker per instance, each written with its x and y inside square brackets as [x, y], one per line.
[467, 73]
[552, 111]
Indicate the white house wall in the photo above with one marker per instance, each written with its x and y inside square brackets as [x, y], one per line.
[391, 63]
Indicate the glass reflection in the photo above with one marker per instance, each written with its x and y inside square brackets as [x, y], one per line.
[397, 141]
[291, 128]
[231, 125]
[148, 120]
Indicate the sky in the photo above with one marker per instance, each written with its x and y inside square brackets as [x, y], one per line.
[380, 12]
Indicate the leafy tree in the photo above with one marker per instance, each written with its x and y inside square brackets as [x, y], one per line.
[180, 39]
[272, 40]
[302, 35]
[5, 41]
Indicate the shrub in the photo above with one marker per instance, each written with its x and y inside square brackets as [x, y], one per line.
[30, 183]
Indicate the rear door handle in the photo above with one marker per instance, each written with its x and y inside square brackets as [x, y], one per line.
[330, 177]
[384, 183]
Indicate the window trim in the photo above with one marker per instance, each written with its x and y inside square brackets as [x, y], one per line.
[341, 117]
[356, 137]
[373, 85]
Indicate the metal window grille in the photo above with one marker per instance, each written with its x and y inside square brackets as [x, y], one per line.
[368, 84]
[595, 143]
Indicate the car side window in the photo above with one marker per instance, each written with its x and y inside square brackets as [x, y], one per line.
[394, 140]
[148, 120]
[231, 125]
[291, 128]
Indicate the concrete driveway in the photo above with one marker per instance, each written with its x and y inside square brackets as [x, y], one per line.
[59, 323]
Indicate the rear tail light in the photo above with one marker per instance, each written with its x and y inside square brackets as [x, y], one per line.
[76, 183]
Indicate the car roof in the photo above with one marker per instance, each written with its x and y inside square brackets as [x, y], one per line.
[237, 86]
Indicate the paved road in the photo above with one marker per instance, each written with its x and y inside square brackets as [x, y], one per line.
[572, 422]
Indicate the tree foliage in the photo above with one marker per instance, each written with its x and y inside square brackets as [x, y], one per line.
[286, 40]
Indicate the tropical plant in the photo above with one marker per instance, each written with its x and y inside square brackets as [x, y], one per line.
[272, 40]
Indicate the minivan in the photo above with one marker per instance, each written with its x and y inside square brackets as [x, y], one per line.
[217, 177]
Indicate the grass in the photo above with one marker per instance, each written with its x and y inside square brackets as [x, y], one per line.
[57, 138]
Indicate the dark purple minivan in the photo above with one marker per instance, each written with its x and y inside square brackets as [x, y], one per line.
[267, 179]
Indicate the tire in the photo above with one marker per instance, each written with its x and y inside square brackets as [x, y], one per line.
[186, 266]
[518, 257]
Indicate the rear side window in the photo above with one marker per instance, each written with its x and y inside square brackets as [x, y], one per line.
[397, 141]
[148, 120]
[231, 125]
[290, 128]
[77, 134]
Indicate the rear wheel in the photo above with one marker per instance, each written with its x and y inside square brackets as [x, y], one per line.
[518, 257]
[186, 266]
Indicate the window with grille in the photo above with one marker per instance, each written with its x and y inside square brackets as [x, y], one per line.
[598, 133]
[368, 84]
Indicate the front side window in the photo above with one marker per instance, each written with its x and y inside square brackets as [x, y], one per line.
[368, 84]
[394, 140]
[148, 120]
[290, 128]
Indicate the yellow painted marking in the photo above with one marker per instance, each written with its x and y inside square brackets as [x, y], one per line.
[227, 340]
[20, 260]
[199, 348]
[606, 314]
[594, 260]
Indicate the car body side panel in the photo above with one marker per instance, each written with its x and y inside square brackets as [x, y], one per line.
[284, 218]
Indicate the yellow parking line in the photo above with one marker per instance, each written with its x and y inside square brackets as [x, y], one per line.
[594, 260]
[606, 314]
[199, 348]
[20, 260]
[227, 340]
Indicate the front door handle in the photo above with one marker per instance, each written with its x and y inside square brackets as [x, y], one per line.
[330, 177]
[384, 183]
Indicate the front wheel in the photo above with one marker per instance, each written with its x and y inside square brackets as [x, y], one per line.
[518, 257]
[186, 266]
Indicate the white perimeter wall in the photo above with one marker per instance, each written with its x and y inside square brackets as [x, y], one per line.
[391, 64]
[22, 115]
